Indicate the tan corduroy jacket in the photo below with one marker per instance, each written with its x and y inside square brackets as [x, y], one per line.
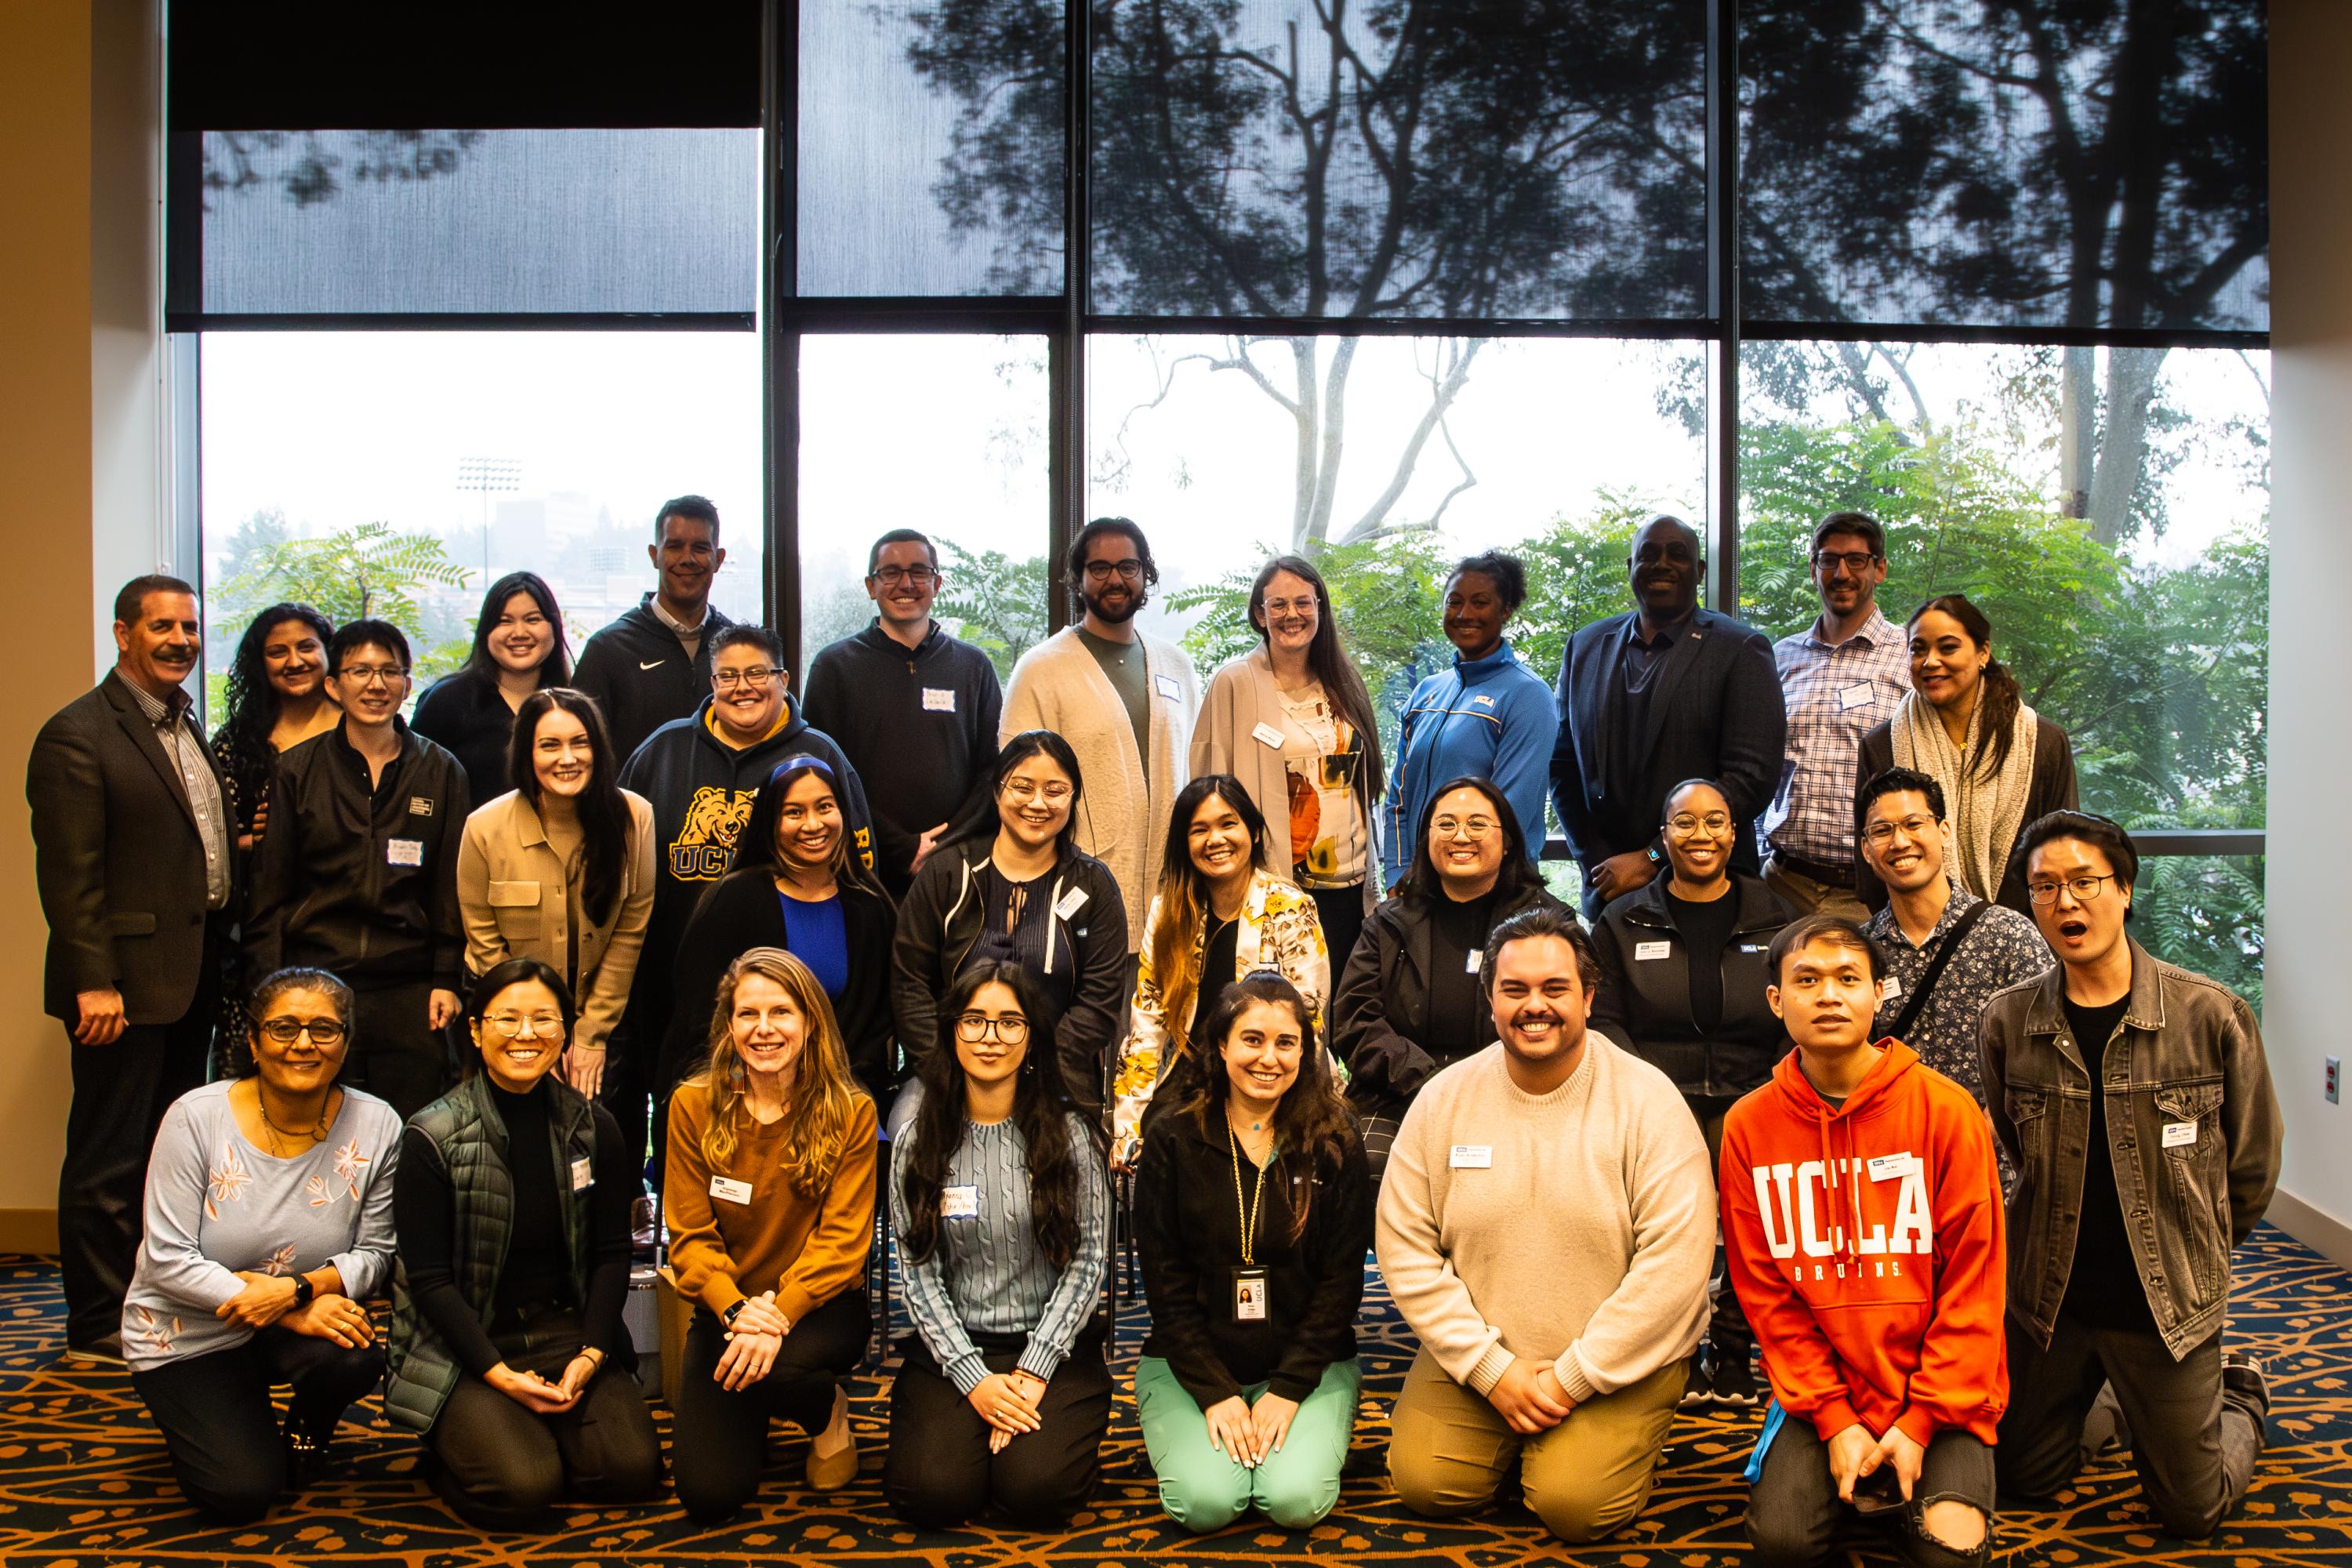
[512, 894]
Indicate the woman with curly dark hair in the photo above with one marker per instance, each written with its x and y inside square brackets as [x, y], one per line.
[277, 699]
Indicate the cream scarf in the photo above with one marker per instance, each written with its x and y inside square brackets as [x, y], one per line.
[1986, 813]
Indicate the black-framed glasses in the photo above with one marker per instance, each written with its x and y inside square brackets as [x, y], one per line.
[974, 1027]
[2084, 887]
[1855, 560]
[373, 674]
[920, 577]
[286, 1031]
[1102, 571]
[758, 675]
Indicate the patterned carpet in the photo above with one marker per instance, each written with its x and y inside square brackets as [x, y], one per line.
[83, 1480]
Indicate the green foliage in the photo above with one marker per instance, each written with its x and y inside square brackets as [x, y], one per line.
[998, 602]
[367, 570]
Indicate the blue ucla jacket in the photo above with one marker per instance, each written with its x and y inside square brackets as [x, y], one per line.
[1488, 718]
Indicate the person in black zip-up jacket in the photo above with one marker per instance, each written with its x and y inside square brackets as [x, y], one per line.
[1017, 886]
[1684, 966]
[1251, 1214]
[358, 873]
[916, 709]
[652, 664]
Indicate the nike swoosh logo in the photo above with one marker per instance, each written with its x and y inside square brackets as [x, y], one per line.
[644, 666]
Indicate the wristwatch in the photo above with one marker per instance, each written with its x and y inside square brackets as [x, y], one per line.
[303, 1289]
[734, 1310]
[1657, 856]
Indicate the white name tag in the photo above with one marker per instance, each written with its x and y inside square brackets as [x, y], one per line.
[583, 1175]
[1859, 695]
[1169, 688]
[403, 851]
[936, 700]
[733, 1191]
[1647, 950]
[1072, 902]
[2175, 1133]
[1472, 1157]
[1267, 735]
[1888, 990]
[1887, 1167]
[959, 1203]
[1476, 956]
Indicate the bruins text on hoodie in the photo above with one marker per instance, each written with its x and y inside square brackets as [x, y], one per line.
[1866, 1243]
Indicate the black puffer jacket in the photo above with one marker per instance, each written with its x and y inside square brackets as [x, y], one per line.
[1645, 1002]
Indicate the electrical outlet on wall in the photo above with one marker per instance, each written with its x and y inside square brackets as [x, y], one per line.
[2335, 1079]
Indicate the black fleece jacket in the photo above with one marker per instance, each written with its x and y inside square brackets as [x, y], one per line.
[1189, 1232]
[1645, 1003]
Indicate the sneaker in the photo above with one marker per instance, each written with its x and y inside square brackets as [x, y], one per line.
[1697, 1389]
[107, 1351]
[1735, 1382]
[2242, 1374]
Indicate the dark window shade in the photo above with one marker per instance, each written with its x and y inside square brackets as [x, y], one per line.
[570, 224]
[2078, 164]
[1479, 159]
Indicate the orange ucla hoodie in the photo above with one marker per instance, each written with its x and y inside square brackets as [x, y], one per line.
[1866, 1241]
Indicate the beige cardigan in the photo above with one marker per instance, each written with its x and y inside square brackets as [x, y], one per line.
[1123, 814]
[511, 892]
[1241, 695]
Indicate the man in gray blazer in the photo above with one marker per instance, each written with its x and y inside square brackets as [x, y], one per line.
[134, 852]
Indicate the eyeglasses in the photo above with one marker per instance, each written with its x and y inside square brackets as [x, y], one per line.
[2084, 887]
[1024, 791]
[891, 576]
[373, 674]
[758, 675]
[286, 1031]
[1464, 826]
[974, 1027]
[1306, 606]
[1855, 560]
[518, 1026]
[1101, 571]
[1912, 826]
[1684, 824]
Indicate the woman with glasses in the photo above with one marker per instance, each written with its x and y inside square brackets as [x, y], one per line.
[1966, 724]
[519, 649]
[1003, 1207]
[1682, 976]
[1409, 1001]
[771, 1208]
[560, 868]
[1218, 914]
[1487, 717]
[794, 884]
[1291, 720]
[514, 1216]
[1015, 885]
[268, 1217]
[1246, 1390]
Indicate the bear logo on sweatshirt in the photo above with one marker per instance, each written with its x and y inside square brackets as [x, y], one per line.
[700, 851]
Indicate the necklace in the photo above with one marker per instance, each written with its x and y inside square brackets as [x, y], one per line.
[316, 1133]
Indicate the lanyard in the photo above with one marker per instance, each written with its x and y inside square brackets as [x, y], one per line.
[1248, 1220]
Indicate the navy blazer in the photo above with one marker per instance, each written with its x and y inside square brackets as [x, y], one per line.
[1715, 713]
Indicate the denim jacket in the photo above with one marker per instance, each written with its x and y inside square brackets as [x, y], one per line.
[2192, 1128]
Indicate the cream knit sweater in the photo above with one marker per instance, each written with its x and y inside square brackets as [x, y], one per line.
[1584, 1237]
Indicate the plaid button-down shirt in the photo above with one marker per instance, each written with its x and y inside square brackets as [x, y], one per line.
[187, 750]
[1834, 696]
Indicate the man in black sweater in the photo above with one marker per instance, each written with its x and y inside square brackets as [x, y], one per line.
[653, 663]
[914, 709]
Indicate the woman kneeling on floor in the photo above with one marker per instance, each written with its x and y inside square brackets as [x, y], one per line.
[1001, 1200]
[770, 1208]
[513, 1211]
[268, 1215]
[1254, 1212]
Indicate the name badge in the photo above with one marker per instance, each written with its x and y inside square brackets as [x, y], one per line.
[1169, 688]
[733, 1191]
[1267, 735]
[1889, 989]
[1071, 902]
[959, 1203]
[583, 1175]
[1477, 956]
[1249, 1295]
[403, 851]
[1755, 947]
[2175, 1133]
[1471, 1157]
[1859, 695]
[939, 699]
[1887, 1167]
[420, 806]
[1647, 950]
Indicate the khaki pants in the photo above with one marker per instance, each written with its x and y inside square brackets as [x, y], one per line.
[1808, 896]
[1449, 1451]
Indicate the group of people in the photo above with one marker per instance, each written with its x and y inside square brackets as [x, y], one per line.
[1851, 1061]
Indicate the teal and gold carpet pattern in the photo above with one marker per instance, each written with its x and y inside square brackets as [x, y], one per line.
[83, 1480]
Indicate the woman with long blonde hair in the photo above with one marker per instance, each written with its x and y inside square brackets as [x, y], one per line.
[769, 1199]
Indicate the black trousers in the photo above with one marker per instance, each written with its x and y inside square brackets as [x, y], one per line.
[2194, 1441]
[717, 1437]
[940, 1473]
[222, 1432]
[395, 1055]
[502, 1466]
[1341, 911]
[1729, 1337]
[1794, 1512]
[119, 1094]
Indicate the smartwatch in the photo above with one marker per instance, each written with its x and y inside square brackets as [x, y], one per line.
[734, 1310]
[1657, 857]
[303, 1290]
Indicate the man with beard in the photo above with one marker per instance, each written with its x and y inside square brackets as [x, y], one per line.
[1545, 1225]
[1123, 700]
[1664, 692]
[135, 858]
[652, 664]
